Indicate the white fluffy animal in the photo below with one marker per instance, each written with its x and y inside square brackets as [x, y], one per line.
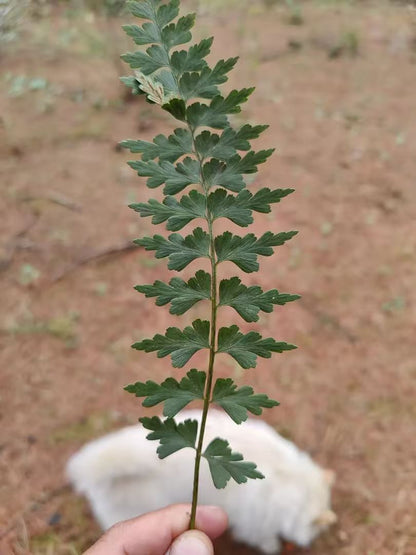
[122, 477]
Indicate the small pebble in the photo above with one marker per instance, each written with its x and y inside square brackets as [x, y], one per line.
[54, 519]
[342, 536]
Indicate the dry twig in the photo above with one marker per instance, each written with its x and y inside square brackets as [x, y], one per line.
[91, 256]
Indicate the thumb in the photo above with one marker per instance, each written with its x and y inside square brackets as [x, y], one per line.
[192, 542]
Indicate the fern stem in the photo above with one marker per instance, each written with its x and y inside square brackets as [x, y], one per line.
[212, 351]
[173, 81]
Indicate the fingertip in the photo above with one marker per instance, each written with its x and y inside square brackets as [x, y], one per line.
[212, 520]
[192, 542]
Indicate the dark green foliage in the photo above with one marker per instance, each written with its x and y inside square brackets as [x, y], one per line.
[236, 402]
[176, 177]
[246, 348]
[165, 148]
[182, 295]
[205, 159]
[243, 251]
[177, 214]
[224, 464]
[181, 345]
[180, 250]
[248, 301]
[172, 436]
[176, 395]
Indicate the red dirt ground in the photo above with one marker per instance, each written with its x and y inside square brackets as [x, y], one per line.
[339, 94]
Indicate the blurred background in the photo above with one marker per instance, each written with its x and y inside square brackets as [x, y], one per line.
[336, 81]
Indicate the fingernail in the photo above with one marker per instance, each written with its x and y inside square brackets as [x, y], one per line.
[191, 543]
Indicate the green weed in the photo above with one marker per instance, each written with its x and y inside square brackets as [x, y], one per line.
[28, 275]
[63, 327]
[87, 428]
[349, 45]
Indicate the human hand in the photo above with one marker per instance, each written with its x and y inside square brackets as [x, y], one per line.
[164, 532]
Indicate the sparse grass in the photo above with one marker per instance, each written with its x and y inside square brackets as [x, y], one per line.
[351, 42]
[394, 305]
[72, 535]
[87, 428]
[11, 14]
[148, 262]
[63, 327]
[390, 407]
[295, 16]
[44, 92]
[20, 85]
[100, 288]
[109, 8]
[347, 45]
[28, 275]
[120, 349]
[49, 543]
[45, 95]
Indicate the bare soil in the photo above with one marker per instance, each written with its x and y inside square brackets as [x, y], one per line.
[339, 94]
